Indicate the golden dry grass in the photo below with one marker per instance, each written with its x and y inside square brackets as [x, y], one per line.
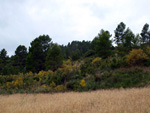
[102, 101]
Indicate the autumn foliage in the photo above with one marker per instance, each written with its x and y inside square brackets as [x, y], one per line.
[136, 57]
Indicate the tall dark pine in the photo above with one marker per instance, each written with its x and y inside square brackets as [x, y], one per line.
[125, 39]
[54, 58]
[103, 44]
[129, 38]
[3, 55]
[136, 41]
[145, 34]
[3, 62]
[20, 57]
[119, 32]
[37, 53]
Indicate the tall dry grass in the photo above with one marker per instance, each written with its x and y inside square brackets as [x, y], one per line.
[102, 101]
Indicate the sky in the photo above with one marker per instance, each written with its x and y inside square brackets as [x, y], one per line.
[21, 21]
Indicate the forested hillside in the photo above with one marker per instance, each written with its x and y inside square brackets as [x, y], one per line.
[103, 62]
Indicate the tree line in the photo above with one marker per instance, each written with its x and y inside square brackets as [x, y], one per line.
[45, 55]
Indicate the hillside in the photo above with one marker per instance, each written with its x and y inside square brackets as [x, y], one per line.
[103, 63]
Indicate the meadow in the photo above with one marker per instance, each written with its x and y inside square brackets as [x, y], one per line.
[134, 100]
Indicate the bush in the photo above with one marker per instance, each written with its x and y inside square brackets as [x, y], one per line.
[91, 84]
[96, 62]
[117, 62]
[136, 57]
[82, 83]
[86, 67]
[60, 88]
[52, 84]
[42, 73]
[89, 53]
[42, 89]
[73, 85]
[125, 78]
[148, 50]
[2, 91]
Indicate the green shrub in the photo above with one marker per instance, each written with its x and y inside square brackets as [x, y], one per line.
[42, 89]
[117, 62]
[60, 88]
[72, 85]
[89, 53]
[52, 84]
[86, 68]
[2, 91]
[113, 63]
[147, 62]
[91, 84]
[96, 62]
[125, 78]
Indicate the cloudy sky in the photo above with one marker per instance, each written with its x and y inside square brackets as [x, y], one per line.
[21, 21]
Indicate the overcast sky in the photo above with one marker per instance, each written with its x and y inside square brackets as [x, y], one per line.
[21, 21]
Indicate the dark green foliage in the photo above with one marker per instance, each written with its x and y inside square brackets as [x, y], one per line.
[75, 49]
[9, 69]
[37, 53]
[119, 33]
[42, 90]
[4, 63]
[19, 60]
[87, 68]
[125, 39]
[102, 44]
[21, 52]
[71, 80]
[137, 41]
[3, 55]
[145, 34]
[89, 53]
[115, 62]
[147, 62]
[54, 58]
[92, 85]
[128, 40]
[3, 59]
[2, 91]
[124, 78]
[58, 78]
[76, 55]
[73, 85]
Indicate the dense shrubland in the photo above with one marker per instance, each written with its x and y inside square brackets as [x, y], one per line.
[89, 74]
[78, 66]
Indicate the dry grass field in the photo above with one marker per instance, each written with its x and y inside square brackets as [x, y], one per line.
[101, 101]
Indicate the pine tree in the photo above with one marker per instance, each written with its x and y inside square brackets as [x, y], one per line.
[119, 33]
[37, 53]
[145, 34]
[103, 44]
[54, 58]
